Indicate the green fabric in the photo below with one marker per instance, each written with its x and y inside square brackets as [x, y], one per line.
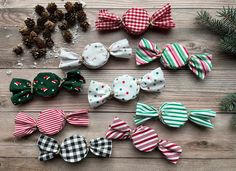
[45, 84]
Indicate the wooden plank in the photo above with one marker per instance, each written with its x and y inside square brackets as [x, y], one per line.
[196, 141]
[124, 3]
[22, 164]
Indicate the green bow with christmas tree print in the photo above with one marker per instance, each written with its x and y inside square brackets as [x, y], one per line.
[45, 84]
[173, 114]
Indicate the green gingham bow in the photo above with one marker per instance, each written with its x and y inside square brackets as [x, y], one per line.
[45, 84]
[173, 114]
[174, 56]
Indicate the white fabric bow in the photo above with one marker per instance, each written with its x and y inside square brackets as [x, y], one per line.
[94, 56]
[125, 87]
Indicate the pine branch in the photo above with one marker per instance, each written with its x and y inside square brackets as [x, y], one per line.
[228, 103]
[228, 14]
[228, 43]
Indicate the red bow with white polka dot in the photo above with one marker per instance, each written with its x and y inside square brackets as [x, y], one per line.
[136, 20]
[144, 138]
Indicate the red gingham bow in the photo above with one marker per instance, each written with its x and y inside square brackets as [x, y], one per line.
[49, 122]
[144, 138]
[136, 20]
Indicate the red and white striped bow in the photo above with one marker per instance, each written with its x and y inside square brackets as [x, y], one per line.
[144, 138]
[136, 20]
[49, 122]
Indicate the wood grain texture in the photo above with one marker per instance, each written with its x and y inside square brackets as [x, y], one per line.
[203, 149]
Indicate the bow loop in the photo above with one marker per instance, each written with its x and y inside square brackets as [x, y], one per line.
[107, 21]
[73, 82]
[24, 125]
[119, 129]
[69, 60]
[153, 81]
[98, 93]
[121, 49]
[146, 52]
[170, 150]
[202, 117]
[78, 118]
[162, 18]
[101, 147]
[48, 147]
[144, 113]
[200, 64]
[22, 91]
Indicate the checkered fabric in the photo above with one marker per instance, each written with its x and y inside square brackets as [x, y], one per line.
[73, 149]
[136, 20]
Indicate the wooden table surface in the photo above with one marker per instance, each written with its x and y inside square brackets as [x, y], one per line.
[203, 149]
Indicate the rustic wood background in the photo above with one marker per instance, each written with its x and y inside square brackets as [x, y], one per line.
[203, 149]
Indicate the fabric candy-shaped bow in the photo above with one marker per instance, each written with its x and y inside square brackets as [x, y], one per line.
[49, 122]
[45, 84]
[174, 115]
[95, 55]
[125, 87]
[73, 149]
[136, 20]
[174, 56]
[144, 138]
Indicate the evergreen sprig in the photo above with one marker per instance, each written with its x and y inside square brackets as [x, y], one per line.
[224, 26]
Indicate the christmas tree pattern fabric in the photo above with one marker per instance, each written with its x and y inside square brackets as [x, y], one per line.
[45, 84]
[173, 114]
[174, 56]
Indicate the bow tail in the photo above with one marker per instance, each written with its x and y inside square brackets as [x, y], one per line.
[121, 49]
[44, 156]
[202, 117]
[162, 18]
[200, 64]
[101, 147]
[170, 150]
[78, 118]
[146, 52]
[24, 125]
[107, 21]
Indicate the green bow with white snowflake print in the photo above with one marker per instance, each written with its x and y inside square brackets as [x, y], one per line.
[173, 114]
[45, 84]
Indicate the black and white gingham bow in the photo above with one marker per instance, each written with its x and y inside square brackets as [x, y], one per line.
[73, 148]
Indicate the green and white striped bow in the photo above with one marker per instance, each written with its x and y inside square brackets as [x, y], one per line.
[173, 114]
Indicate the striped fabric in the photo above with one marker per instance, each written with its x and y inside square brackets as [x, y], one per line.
[49, 122]
[146, 52]
[144, 138]
[174, 56]
[173, 114]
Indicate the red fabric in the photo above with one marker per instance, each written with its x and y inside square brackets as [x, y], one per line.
[136, 20]
[50, 122]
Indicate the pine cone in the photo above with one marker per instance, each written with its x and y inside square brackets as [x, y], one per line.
[40, 22]
[18, 50]
[81, 16]
[70, 18]
[47, 34]
[69, 7]
[67, 36]
[49, 43]
[63, 25]
[78, 6]
[39, 42]
[33, 35]
[51, 8]
[27, 41]
[84, 25]
[29, 22]
[45, 15]
[49, 25]
[52, 18]
[39, 9]
[37, 29]
[24, 31]
[38, 53]
[60, 15]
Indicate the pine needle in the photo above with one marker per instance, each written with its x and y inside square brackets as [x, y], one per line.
[228, 103]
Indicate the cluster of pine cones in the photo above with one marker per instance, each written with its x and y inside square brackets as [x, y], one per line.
[45, 25]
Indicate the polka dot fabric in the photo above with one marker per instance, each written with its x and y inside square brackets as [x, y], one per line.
[45, 84]
[125, 87]
[95, 55]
